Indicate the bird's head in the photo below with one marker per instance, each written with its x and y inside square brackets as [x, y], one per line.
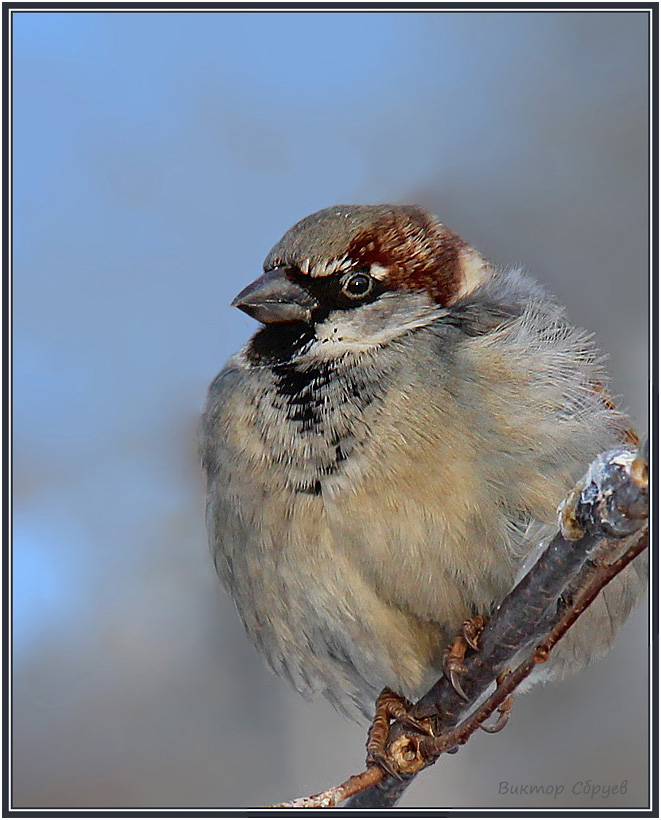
[360, 275]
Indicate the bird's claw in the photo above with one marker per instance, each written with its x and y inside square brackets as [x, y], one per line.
[498, 726]
[454, 668]
[380, 759]
[390, 706]
[471, 629]
[453, 674]
[504, 712]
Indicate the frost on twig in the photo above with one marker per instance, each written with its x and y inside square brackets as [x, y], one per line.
[602, 528]
[331, 797]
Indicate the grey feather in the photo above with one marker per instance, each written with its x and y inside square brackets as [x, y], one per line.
[361, 504]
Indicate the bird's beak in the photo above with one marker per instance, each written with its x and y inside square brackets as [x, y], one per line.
[274, 298]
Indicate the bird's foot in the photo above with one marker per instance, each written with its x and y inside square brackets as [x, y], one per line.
[390, 706]
[454, 660]
[472, 628]
[504, 711]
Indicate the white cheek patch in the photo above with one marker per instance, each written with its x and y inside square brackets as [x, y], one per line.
[373, 325]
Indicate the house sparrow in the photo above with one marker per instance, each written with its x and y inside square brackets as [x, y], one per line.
[389, 448]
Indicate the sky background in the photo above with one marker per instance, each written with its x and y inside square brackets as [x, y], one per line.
[157, 158]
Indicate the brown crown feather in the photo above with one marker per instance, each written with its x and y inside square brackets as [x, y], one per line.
[419, 253]
[416, 251]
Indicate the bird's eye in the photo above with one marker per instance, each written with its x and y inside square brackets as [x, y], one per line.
[357, 285]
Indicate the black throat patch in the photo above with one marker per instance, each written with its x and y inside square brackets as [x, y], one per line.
[323, 402]
[279, 343]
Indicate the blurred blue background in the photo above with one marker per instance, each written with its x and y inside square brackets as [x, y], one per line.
[157, 157]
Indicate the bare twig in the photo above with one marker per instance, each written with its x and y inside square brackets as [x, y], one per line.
[430, 748]
[605, 514]
[331, 797]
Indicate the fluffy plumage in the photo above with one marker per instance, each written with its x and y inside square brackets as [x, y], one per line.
[379, 472]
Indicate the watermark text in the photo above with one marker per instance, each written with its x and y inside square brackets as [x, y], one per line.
[587, 788]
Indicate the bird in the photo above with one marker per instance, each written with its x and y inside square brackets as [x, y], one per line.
[388, 450]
